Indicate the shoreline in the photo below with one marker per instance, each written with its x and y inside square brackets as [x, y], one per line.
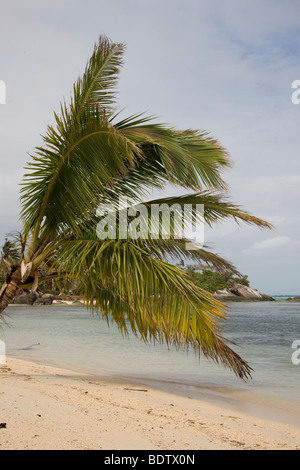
[46, 407]
[229, 300]
[235, 398]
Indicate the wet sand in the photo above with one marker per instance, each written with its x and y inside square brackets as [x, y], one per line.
[43, 407]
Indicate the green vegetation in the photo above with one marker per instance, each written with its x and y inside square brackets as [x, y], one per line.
[9, 251]
[91, 156]
[212, 281]
[9, 254]
[2, 272]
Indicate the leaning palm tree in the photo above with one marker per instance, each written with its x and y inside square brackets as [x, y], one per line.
[90, 157]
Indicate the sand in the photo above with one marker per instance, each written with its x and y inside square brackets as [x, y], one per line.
[46, 408]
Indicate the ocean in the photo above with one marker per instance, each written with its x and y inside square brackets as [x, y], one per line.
[71, 337]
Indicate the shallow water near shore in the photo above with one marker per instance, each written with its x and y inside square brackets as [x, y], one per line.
[71, 337]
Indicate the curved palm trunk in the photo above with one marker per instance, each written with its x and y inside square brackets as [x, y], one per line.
[8, 295]
[10, 288]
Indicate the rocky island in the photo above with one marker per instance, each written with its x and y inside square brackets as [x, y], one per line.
[240, 293]
[294, 299]
[224, 286]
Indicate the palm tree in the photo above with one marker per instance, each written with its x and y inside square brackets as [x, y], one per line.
[89, 157]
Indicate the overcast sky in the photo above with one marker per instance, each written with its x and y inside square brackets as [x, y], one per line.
[223, 66]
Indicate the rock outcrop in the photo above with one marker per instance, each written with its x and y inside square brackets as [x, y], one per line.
[33, 298]
[240, 293]
[45, 299]
[36, 298]
[294, 299]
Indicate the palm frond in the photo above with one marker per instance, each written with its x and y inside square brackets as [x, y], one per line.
[144, 294]
[217, 208]
[87, 158]
[177, 250]
[189, 158]
[66, 182]
[96, 87]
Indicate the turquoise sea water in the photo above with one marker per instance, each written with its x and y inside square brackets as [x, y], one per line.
[71, 337]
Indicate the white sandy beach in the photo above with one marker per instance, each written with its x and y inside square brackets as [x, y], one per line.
[43, 407]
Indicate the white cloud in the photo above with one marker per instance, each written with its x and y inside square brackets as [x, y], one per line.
[273, 245]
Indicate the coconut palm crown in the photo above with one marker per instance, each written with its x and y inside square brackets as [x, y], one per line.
[90, 157]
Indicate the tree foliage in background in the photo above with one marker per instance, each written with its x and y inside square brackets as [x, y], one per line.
[211, 281]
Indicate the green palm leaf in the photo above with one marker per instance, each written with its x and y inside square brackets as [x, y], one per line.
[96, 87]
[188, 158]
[155, 299]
